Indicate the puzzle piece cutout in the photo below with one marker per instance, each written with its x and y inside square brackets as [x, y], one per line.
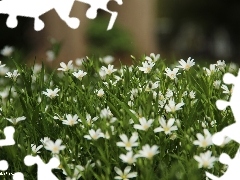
[36, 8]
[8, 141]
[231, 131]
[232, 172]
[44, 170]
[100, 4]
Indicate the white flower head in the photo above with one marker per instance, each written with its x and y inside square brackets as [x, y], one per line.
[205, 160]
[51, 93]
[125, 175]
[147, 67]
[172, 73]
[144, 124]
[129, 158]
[107, 59]
[12, 75]
[54, 147]
[35, 149]
[203, 140]
[100, 92]
[167, 127]
[50, 55]
[153, 58]
[71, 120]
[172, 106]
[79, 75]
[186, 65]
[94, 135]
[16, 120]
[128, 143]
[109, 70]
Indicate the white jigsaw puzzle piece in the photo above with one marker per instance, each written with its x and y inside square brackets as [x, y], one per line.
[101, 4]
[36, 8]
[44, 170]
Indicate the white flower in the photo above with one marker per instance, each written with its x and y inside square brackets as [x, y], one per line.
[108, 70]
[71, 120]
[51, 93]
[172, 73]
[50, 55]
[66, 67]
[217, 84]
[169, 93]
[212, 69]
[152, 58]
[16, 120]
[45, 140]
[7, 51]
[221, 65]
[166, 127]
[186, 65]
[192, 94]
[147, 67]
[232, 67]
[125, 175]
[2, 65]
[151, 86]
[100, 92]
[203, 140]
[172, 107]
[36, 149]
[94, 134]
[79, 75]
[129, 157]
[144, 124]
[107, 59]
[13, 75]
[226, 90]
[205, 160]
[148, 152]
[128, 143]
[106, 113]
[79, 61]
[90, 120]
[54, 147]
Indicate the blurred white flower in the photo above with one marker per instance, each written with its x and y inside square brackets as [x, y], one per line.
[109, 70]
[172, 106]
[144, 124]
[66, 67]
[79, 75]
[94, 134]
[217, 84]
[7, 51]
[50, 55]
[203, 140]
[129, 158]
[212, 69]
[2, 65]
[79, 61]
[107, 59]
[13, 75]
[221, 65]
[148, 152]
[205, 160]
[100, 92]
[153, 58]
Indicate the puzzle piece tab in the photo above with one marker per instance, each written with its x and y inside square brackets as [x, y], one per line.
[44, 170]
[101, 4]
[36, 8]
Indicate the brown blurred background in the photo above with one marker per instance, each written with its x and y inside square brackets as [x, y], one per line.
[175, 29]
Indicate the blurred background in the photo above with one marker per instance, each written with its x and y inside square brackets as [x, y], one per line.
[203, 30]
